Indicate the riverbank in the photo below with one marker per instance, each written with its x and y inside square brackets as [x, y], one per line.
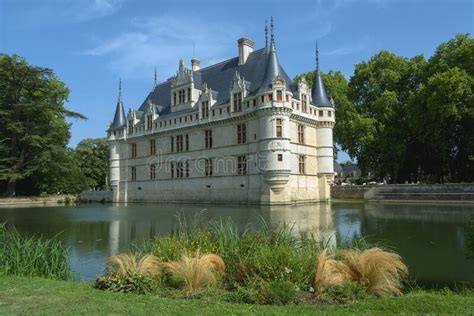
[20, 295]
[28, 201]
[426, 193]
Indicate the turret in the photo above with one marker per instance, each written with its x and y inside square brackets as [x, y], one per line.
[116, 132]
[324, 139]
[119, 121]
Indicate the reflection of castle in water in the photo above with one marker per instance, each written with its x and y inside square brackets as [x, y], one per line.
[306, 220]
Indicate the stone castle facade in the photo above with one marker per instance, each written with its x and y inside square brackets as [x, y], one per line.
[239, 131]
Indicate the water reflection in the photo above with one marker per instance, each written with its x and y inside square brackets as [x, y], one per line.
[429, 237]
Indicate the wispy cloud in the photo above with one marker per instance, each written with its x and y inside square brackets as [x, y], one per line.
[350, 48]
[92, 9]
[160, 41]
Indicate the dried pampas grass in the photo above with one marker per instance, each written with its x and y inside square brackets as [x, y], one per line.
[122, 264]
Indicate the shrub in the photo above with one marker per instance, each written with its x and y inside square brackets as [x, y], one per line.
[33, 256]
[263, 293]
[194, 273]
[124, 264]
[330, 273]
[381, 272]
[130, 282]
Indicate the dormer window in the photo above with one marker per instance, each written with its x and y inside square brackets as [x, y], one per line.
[304, 103]
[205, 109]
[238, 102]
[130, 127]
[149, 121]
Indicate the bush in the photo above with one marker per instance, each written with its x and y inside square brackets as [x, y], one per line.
[131, 282]
[33, 256]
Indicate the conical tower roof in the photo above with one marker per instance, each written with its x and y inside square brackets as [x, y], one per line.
[318, 92]
[119, 117]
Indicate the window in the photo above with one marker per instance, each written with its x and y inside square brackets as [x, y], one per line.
[238, 102]
[130, 127]
[248, 104]
[152, 146]
[149, 121]
[134, 150]
[287, 98]
[254, 102]
[262, 98]
[241, 134]
[321, 113]
[270, 97]
[300, 133]
[174, 98]
[208, 138]
[179, 170]
[279, 127]
[179, 143]
[189, 94]
[329, 113]
[304, 102]
[279, 95]
[172, 165]
[172, 144]
[187, 142]
[186, 169]
[134, 173]
[205, 109]
[208, 167]
[280, 157]
[152, 171]
[301, 168]
[241, 165]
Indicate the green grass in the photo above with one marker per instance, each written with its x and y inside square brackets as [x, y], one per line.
[32, 256]
[21, 295]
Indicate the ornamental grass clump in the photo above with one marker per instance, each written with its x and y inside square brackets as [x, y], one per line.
[195, 273]
[127, 263]
[379, 272]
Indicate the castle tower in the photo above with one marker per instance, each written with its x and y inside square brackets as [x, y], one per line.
[324, 139]
[116, 132]
[274, 130]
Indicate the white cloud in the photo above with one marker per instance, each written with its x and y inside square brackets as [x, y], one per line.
[350, 48]
[85, 10]
[161, 41]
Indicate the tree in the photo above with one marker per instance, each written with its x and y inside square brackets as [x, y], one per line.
[409, 119]
[92, 156]
[33, 129]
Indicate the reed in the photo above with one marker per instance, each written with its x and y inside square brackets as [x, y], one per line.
[33, 256]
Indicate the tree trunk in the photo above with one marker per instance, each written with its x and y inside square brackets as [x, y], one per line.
[11, 187]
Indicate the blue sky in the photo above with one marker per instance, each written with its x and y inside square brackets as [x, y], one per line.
[91, 43]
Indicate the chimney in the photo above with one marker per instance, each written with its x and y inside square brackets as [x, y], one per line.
[245, 48]
[196, 64]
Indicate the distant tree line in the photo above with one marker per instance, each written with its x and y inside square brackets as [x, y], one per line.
[34, 135]
[409, 119]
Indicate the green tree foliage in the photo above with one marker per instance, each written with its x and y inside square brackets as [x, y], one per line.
[34, 133]
[409, 119]
[92, 156]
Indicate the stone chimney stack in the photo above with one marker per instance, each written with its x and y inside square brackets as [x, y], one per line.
[245, 48]
[196, 64]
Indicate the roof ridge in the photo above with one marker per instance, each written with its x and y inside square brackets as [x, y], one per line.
[226, 60]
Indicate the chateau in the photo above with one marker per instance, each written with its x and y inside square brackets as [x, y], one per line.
[239, 131]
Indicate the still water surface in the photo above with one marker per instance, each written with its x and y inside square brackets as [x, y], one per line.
[429, 237]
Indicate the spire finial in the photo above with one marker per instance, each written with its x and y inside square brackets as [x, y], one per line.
[317, 57]
[271, 31]
[120, 89]
[156, 78]
[266, 35]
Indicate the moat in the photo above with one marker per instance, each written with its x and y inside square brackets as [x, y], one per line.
[430, 237]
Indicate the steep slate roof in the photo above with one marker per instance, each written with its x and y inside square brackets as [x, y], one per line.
[119, 117]
[218, 77]
[318, 93]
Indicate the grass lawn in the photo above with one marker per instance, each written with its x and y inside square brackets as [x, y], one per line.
[19, 295]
